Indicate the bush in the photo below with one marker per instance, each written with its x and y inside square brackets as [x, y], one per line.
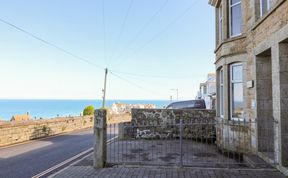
[89, 110]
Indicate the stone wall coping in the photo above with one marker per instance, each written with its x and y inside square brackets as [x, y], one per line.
[39, 122]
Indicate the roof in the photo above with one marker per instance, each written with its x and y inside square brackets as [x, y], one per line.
[202, 84]
[24, 117]
[213, 2]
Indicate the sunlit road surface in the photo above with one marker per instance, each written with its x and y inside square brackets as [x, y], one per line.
[29, 159]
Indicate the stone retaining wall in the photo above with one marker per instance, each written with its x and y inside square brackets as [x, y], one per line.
[16, 132]
[161, 123]
[229, 136]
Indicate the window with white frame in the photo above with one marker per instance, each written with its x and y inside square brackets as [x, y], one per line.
[220, 23]
[264, 6]
[235, 18]
[221, 79]
[205, 89]
[236, 91]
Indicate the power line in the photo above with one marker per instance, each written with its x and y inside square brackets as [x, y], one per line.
[123, 26]
[148, 82]
[82, 59]
[51, 44]
[104, 31]
[157, 35]
[146, 25]
[154, 76]
[133, 84]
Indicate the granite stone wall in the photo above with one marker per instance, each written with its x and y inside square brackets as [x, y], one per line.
[163, 123]
[16, 132]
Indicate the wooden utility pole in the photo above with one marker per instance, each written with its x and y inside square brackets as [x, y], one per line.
[104, 90]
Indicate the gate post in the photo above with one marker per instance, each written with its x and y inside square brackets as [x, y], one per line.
[181, 142]
[100, 147]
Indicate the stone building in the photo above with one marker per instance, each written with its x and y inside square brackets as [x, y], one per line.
[252, 72]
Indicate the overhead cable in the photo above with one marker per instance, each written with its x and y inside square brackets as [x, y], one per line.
[51, 44]
[132, 41]
[116, 44]
[133, 84]
[157, 35]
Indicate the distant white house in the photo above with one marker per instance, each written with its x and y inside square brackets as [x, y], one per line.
[122, 108]
[207, 91]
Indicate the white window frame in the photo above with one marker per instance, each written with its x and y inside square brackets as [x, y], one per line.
[220, 25]
[231, 81]
[205, 90]
[230, 18]
[261, 10]
[221, 99]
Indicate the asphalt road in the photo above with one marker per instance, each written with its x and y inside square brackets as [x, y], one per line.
[29, 159]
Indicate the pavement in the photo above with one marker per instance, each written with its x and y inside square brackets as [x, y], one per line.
[28, 159]
[167, 152]
[85, 169]
[153, 165]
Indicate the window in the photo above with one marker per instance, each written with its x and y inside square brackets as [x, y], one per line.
[221, 79]
[264, 6]
[220, 12]
[235, 18]
[204, 90]
[236, 91]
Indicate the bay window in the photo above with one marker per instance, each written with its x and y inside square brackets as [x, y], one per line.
[221, 79]
[236, 91]
[235, 18]
[220, 23]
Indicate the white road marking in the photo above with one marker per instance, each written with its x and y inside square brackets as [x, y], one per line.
[69, 160]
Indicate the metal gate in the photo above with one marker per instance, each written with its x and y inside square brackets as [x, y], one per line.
[201, 143]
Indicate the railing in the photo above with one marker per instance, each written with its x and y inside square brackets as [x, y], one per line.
[187, 141]
[203, 143]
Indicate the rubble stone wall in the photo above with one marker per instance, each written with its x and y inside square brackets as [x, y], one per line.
[16, 132]
[163, 123]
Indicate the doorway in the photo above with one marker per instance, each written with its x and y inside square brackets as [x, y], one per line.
[265, 121]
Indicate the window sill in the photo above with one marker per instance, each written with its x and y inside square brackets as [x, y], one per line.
[235, 38]
[241, 122]
[236, 122]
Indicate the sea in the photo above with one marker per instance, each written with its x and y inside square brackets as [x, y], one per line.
[52, 108]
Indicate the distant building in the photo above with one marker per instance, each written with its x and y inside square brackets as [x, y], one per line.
[121, 108]
[24, 117]
[207, 91]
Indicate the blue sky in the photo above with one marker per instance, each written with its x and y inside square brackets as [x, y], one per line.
[174, 49]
